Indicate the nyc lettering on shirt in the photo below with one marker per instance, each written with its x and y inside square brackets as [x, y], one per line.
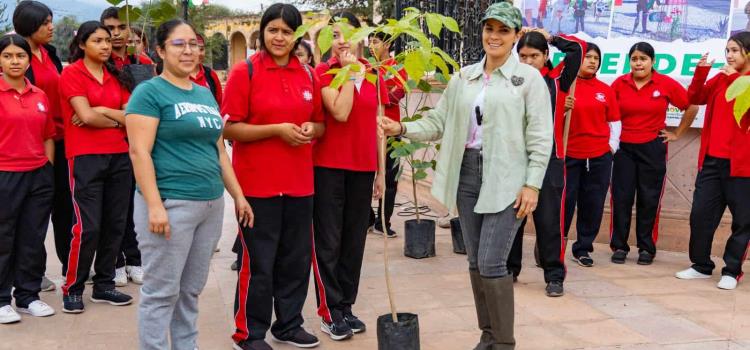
[212, 122]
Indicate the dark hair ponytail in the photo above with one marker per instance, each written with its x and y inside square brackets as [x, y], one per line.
[77, 53]
[535, 40]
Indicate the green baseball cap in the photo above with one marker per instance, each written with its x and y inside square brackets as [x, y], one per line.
[504, 12]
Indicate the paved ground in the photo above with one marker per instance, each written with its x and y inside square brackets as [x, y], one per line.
[606, 307]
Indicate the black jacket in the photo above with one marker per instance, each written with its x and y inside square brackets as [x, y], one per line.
[52, 53]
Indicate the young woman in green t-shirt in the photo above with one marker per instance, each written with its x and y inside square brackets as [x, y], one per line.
[181, 169]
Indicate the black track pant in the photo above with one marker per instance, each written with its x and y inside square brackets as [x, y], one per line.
[391, 188]
[340, 218]
[26, 199]
[714, 191]
[62, 209]
[101, 186]
[638, 176]
[587, 182]
[550, 238]
[274, 267]
[129, 255]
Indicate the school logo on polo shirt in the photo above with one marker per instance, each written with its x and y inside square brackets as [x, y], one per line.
[657, 94]
[601, 97]
[41, 107]
[307, 95]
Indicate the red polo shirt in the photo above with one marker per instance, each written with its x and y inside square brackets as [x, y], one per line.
[395, 90]
[200, 79]
[644, 110]
[25, 123]
[76, 80]
[351, 145]
[276, 94]
[595, 107]
[123, 61]
[47, 78]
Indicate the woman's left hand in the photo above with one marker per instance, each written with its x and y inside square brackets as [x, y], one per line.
[668, 136]
[526, 202]
[76, 121]
[379, 187]
[245, 215]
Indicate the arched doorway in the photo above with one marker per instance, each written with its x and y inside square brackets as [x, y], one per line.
[254, 41]
[218, 52]
[238, 46]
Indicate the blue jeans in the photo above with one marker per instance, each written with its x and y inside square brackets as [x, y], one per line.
[488, 237]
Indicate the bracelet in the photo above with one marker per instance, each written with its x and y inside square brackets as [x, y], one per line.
[117, 124]
[532, 188]
[403, 129]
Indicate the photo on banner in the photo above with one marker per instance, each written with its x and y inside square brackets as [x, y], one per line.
[671, 20]
[568, 16]
[741, 17]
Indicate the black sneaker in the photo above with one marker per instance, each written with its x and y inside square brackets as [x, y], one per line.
[338, 330]
[378, 228]
[259, 344]
[555, 289]
[72, 304]
[112, 297]
[354, 323]
[299, 338]
[584, 260]
[645, 258]
[618, 257]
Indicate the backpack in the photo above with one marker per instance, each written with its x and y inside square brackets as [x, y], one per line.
[137, 71]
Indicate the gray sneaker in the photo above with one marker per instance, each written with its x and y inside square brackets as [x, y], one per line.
[47, 285]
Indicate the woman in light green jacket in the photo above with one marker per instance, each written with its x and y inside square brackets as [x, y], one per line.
[495, 123]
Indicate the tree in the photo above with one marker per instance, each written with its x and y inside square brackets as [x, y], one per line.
[361, 8]
[64, 32]
[5, 25]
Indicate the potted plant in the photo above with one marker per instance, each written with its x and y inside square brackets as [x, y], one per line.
[419, 59]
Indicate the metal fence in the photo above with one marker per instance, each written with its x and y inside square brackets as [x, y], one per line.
[466, 48]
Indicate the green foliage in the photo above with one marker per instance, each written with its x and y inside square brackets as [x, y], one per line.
[5, 25]
[739, 91]
[64, 32]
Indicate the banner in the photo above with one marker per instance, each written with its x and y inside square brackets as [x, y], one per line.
[681, 31]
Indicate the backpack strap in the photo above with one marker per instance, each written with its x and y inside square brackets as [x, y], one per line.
[309, 72]
[249, 68]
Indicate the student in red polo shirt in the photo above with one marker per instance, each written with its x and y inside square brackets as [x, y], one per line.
[33, 21]
[272, 128]
[203, 75]
[26, 182]
[724, 168]
[592, 140]
[380, 47]
[533, 49]
[120, 37]
[640, 165]
[346, 162]
[93, 96]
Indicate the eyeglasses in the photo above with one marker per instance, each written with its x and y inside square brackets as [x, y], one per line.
[182, 44]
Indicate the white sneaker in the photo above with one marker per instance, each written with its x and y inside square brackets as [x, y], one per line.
[38, 308]
[727, 282]
[691, 274]
[121, 277]
[135, 273]
[90, 280]
[8, 315]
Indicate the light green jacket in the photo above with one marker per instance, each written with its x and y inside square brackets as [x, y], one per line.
[516, 133]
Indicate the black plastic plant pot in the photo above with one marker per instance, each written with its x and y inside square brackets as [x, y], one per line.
[420, 238]
[401, 335]
[458, 237]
